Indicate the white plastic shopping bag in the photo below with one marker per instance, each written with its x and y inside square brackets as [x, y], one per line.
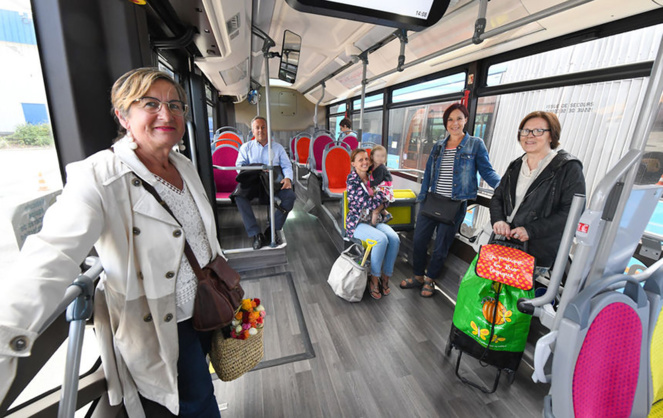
[347, 277]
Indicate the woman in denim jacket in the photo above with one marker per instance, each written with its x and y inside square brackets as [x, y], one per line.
[362, 200]
[451, 171]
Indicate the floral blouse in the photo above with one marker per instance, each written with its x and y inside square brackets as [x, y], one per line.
[360, 202]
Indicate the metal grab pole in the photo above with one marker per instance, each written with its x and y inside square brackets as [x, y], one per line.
[562, 253]
[497, 31]
[272, 228]
[194, 158]
[364, 60]
[79, 311]
[315, 116]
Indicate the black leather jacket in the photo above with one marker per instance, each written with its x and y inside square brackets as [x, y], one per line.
[546, 205]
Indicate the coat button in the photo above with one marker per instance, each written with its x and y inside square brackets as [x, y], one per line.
[140, 275]
[177, 233]
[170, 275]
[136, 231]
[147, 318]
[168, 317]
[135, 182]
[19, 343]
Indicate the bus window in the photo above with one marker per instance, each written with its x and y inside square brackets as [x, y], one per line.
[406, 126]
[641, 45]
[29, 171]
[29, 168]
[484, 118]
[412, 133]
[372, 129]
[597, 122]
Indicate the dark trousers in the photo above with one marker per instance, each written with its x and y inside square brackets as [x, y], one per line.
[287, 197]
[445, 235]
[194, 381]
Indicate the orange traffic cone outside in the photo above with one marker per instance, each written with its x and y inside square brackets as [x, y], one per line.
[43, 187]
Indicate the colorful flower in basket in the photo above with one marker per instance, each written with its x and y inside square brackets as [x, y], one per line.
[250, 317]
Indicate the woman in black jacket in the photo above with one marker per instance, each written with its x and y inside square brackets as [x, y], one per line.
[534, 197]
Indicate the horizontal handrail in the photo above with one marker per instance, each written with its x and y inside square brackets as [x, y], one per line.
[243, 167]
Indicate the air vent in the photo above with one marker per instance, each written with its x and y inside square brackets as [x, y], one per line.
[232, 26]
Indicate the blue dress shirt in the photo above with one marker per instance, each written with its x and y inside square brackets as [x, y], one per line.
[253, 152]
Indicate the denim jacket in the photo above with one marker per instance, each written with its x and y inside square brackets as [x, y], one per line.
[471, 156]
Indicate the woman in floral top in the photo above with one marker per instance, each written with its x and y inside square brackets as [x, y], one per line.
[362, 200]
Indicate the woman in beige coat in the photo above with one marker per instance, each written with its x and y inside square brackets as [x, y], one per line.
[153, 359]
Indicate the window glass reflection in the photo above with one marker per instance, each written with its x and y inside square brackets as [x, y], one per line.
[413, 131]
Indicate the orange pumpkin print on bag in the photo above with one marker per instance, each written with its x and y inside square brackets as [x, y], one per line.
[502, 315]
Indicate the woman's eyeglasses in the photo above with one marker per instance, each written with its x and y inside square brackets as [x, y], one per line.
[535, 132]
[153, 105]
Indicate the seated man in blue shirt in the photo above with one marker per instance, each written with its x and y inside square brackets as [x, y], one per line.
[257, 152]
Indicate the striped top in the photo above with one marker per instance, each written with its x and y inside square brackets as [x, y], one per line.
[445, 180]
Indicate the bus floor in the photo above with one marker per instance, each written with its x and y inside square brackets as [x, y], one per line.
[374, 358]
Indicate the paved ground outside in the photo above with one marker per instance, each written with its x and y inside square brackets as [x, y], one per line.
[20, 182]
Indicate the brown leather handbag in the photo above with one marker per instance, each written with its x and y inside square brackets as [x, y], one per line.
[219, 293]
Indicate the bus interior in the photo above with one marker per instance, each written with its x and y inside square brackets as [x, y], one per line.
[305, 65]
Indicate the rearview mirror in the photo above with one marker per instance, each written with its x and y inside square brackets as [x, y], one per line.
[292, 44]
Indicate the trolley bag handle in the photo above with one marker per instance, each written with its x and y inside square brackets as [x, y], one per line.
[506, 264]
[370, 243]
[511, 243]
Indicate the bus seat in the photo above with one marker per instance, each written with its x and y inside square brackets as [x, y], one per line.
[229, 132]
[654, 289]
[335, 168]
[293, 150]
[350, 138]
[225, 156]
[600, 359]
[403, 210]
[302, 145]
[320, 140]
[227, 141]
[368, 146]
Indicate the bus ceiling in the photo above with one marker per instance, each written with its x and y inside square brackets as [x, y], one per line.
[333, 49]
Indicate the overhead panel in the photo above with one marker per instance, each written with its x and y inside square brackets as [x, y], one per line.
[229, 70]
[413, 15]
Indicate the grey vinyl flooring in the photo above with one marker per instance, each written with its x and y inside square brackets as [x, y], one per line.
[375, 358]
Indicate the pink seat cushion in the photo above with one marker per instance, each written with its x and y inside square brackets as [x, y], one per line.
[352, 141]
[606, 372]
[225, 195]
[319, 145]
[225, 156]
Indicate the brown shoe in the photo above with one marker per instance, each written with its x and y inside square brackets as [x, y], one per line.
[374, 287]
[384, 283]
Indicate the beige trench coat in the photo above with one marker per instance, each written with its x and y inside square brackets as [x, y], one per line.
[140, 246]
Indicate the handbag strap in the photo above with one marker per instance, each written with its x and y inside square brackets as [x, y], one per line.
[187, 248]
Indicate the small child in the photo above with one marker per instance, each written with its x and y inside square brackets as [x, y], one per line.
[380, 179]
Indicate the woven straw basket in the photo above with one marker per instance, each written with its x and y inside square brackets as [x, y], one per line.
[231, 357]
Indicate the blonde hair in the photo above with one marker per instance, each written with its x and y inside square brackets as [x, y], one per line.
[134, 85]
[377, 148]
